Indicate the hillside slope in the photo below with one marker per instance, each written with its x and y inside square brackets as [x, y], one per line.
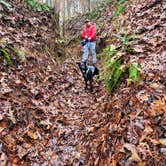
[135, 132]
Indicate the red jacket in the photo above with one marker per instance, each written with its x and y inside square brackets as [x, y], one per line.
[89, 32]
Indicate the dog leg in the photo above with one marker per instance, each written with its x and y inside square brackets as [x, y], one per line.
[86, 84]
[91, 85]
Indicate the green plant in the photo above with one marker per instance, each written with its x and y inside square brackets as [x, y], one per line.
[37, 6]
[45, 7]
[115, 75]
[6, 4]
[113, 70]
[4, 53]
[125, 39]
[134, 72]
[120, 9]
[115, 66]
[110, 51]
[20, 53]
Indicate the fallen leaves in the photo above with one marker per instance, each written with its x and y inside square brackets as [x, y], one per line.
[32, 133]
[10, 141]
[157, 108]
[21, 151]
[134, 153]
[46, 123]
[46, 116]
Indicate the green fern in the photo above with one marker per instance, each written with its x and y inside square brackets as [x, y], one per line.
[45, 8]
[110, 51]
[31, 3]
[36, 6]
[114, 67]
[111, 61]
[125, 38]
[134, 72]
[6, 55]
[115, 75]
[120, 9]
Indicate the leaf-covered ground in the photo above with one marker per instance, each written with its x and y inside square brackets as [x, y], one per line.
[47, 118]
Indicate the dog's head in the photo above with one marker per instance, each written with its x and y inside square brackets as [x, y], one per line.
[82, 66]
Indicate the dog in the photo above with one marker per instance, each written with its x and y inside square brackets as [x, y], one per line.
[88, 72]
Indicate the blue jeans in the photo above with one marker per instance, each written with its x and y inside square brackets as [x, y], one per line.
[92, 47]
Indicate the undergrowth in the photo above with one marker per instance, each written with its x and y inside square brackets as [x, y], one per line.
[6, 55]
[7, 49]
[115, 66]
[37, 7]
[121, 7]
[116, 63]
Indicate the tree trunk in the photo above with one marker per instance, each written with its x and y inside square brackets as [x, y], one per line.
[62, 18]
[89, 5]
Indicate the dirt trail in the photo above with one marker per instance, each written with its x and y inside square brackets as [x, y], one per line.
[46, 116]
[80, 111]
[49, 111]
[45, 113]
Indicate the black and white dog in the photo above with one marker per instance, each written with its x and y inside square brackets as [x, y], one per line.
[88, 72]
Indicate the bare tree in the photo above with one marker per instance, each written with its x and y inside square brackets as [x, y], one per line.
[62, 17]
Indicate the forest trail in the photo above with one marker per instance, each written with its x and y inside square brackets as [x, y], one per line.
[77, 115]
[46, 115]
[58, 118]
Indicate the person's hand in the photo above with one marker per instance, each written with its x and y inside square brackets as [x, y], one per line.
[89, 38]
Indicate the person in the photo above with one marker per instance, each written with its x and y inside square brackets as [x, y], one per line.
[89, 42]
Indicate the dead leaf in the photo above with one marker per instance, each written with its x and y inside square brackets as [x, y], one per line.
[11, 116]
[1, 129]
[46, 123]
[32, 133]
[10, 141]
[141, 164]
[21, 152]
[134, 155]
[163, 141]
[3, 159]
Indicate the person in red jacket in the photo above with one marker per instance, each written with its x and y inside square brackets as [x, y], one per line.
[89, 41]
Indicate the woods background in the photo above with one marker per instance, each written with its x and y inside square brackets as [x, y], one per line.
[69, 8]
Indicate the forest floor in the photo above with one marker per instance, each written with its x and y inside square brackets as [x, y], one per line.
[48, 118]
